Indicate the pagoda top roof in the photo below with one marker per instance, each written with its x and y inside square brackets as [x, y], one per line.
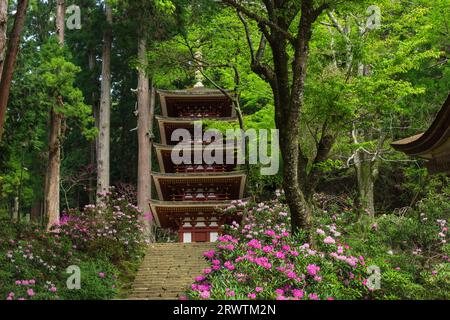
[189, 119]
[169, 147]
[433, 142]
[208, 102]
[201, 91]
[240, 173]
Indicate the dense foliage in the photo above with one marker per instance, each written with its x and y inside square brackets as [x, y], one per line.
[103, 242]
[366, 86]
[259, 259]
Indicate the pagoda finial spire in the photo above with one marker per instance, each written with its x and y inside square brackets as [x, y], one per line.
[198, 71]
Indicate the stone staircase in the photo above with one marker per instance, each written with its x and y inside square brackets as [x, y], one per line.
[168, 269]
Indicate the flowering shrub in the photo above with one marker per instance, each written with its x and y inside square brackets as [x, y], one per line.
[115, 228]
[100, 241]
[259, 259]
[411, 249]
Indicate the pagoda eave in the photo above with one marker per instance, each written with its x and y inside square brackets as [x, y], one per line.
[174, 101]
[164, 152]
[235, 180]
[169, 124]
[433, 143]
[168, 213]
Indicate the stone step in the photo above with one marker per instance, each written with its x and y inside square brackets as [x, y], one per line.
[168, 269]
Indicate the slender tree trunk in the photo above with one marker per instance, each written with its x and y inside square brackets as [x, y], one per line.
[103, 154]
[52, 197]
[143, 181]
[94, 143]
[3, 31]
[152, 117]
[363, 167]
[15, 215]
[10, 60]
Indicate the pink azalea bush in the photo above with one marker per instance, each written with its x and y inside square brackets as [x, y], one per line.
[260, 259]
[115, 228]
[100, 241]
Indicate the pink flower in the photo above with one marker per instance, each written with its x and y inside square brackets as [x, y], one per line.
[205, 294]
[313, 296]
[329, 240]
[207, 271]
[251, 295]
[298, 293]
[230, 293]
[312, 269]
[229, 265]
[101, 275]
[53, 289]
[270, 233]
[320, 232]
[209, 254]
[229, 247]
[294, 253]
[279, 292]
[254, 244]
[32, 282]
[30, 292]
[199, 278]
[291, 275]
[259, 289]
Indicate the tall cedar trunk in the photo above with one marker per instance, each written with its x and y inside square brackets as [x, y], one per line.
[143, 180]
[52, 197]
[10, 60]
[103, 151]
[3, 29]
[94, 143]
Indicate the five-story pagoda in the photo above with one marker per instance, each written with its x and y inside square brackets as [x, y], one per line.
[192, 194]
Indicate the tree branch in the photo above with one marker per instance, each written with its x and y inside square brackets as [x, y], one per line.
[261, 20]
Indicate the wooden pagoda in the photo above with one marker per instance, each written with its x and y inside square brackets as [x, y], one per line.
[191, 196]
[432, 145]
